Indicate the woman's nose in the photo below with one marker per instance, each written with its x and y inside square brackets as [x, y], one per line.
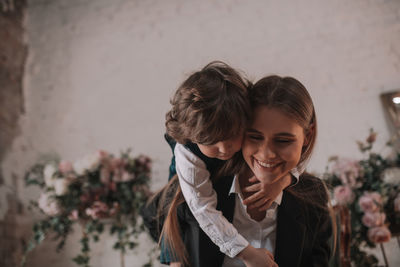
[267, 152]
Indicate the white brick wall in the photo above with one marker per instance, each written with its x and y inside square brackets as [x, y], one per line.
[100, 74]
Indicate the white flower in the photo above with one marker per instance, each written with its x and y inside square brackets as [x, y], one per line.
[61, 186]
[48, 173]
[87, 163]
[391, 175]
[48, 204]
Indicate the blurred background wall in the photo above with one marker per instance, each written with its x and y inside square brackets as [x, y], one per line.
[99, 74]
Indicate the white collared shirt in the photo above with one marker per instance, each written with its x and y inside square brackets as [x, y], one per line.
[196, 185]
[260, 234]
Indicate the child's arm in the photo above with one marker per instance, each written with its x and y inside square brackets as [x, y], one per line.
[196, 185]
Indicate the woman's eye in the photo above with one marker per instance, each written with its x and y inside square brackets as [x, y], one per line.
[284, 141]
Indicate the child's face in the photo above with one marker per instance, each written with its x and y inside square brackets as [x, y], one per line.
[273, 144]
[223, 150]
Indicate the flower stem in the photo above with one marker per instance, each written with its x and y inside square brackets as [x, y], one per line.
[384, 255]
[122, 258]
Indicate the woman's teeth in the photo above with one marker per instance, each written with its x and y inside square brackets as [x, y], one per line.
[267, 165]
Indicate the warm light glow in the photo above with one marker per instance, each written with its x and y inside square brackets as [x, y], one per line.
[396, 100]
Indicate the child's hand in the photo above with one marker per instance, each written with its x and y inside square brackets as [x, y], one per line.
[263, 193]
[257, 257]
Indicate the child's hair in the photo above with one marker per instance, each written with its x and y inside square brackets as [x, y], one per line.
[210, 105]
[291, 97]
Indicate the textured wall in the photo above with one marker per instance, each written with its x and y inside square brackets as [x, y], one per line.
[100, 74]
[13, 52]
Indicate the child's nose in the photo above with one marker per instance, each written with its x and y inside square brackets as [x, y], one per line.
[225, 148]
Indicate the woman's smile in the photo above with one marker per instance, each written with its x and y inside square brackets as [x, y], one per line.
[270, 165]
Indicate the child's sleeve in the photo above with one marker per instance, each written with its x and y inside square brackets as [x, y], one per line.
[196, 185]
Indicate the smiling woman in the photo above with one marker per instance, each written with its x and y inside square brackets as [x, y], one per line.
[272, 146]
[276, 147]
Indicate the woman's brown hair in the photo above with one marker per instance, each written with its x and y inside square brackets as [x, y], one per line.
[290, 96]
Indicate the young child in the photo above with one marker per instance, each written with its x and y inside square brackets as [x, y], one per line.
[205, 126]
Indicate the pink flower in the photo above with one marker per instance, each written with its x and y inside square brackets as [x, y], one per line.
[74, 215]
[127, 176]
[65, 167]
[102, 154]
[347, 170]
[397, 203]
[145, 162]
[376, 197]
[105, 175]
[98, 210]
[373, 219]
[343, 194]
[379, 234]
[369, 202]
[117, 164]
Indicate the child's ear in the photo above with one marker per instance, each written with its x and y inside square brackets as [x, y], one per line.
[308, 135]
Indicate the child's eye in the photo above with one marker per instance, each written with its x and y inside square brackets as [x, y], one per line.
[254, 137]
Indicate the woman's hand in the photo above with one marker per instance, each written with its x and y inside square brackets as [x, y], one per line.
[257, 257]
[263, 194]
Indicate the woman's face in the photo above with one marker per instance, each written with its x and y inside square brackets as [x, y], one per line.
[272, 144]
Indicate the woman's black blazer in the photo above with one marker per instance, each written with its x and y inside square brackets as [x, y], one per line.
[303, 226]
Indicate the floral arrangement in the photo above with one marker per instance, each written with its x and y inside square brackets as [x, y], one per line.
[96, 190]
[369, 189]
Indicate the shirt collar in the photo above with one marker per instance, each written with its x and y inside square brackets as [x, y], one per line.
[235, 189]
